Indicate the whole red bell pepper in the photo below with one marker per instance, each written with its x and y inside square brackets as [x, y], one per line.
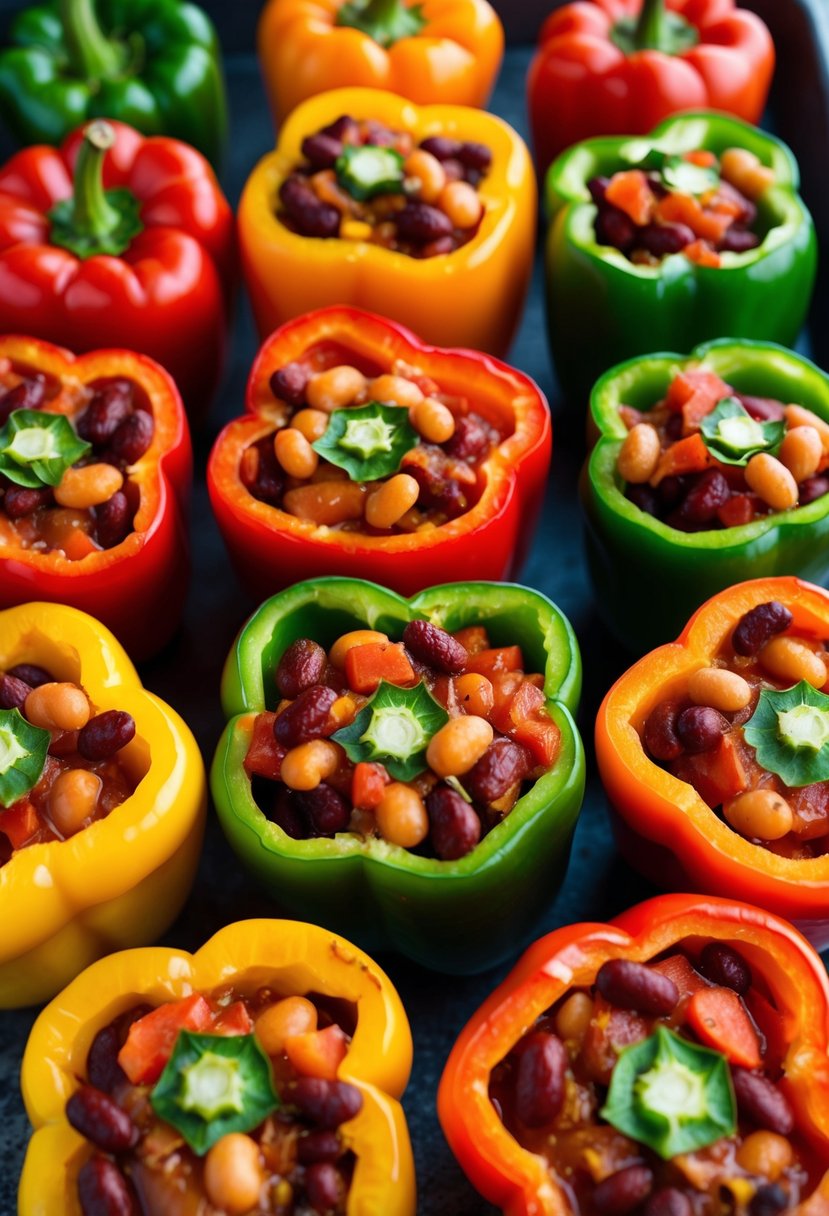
[117, 240]
[619, 67]
[790, 992]
[271, 548]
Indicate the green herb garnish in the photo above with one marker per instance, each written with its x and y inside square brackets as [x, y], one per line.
[789, 730]
[23, 749]
[37, 448]
[395, 727]
[732, 436]
[367, 171]
[369, 441]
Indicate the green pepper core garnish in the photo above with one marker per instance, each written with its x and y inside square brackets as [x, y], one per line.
[395, 727]
[369, 442]
[37, 448]
[677, 173]
[733, 436]
[23, 749]
[789, 730]
[367, 171]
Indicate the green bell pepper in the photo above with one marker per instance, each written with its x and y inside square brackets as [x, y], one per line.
[460, 916]
[603, 308]
[648, 577]
[154, 64]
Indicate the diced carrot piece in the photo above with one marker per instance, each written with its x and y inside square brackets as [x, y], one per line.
[235, 1019]
[677, 968]
[770, 1024]
[319, 1053]
[367, 665]
[151, 1039]
[499, 658]
[368, 783]
[720, 1020]
[541, 737]
[19, 822]
[522, 705]
[679, 208]
[264, 755]
[76, 545]
[740, 509]
[702, 253]
[701, 157]
[610, 1030]
[631, 193]
[716, 775]
[688, 455]
[474, 639]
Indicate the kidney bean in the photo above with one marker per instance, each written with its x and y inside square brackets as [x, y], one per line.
[326, 808]
[13, 692]
[289, 383]
[321, 150]
[324, 1186]
[94, 1114]
[762, 409]
[768, 1200]
[301, 666]
[668, 1201]
[103, 1190]
[420, 222]
[306, 717]
[20, 501]
[623, 1191]
[812, 488]
[344, 128]
[31, 674]
[29, 394]
[113, 520]
[615, 228]
[442, 147]
[660, 734]
[454, 827]
[132, 438]
[724, 966]
[285, 813]
[470, 438]
[106, 734]
[540, 1081]
[671, 490]
[598, 188]
[318, 1146]
[475, 156]
[748, 212]
[435, 647]
[269, 481]
[759, 626]
[311, 216]
[710, 492]
[701, 728]
[738, 240]
[110, 406]
[502, 764]
[102, 1067]
[643, 497]
[629, 985]
[664, 239]
[761, 1102]
[326, 1103]
[378, 135]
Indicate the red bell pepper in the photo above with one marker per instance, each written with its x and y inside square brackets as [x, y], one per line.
[137, 587]
[782, 965]
[117, 240]
[619, 67]
[271, 548]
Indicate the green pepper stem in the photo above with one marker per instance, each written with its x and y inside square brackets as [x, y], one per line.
[382, 12]
[92, 213]
[92, 55]
[650, 32]
[386, 21]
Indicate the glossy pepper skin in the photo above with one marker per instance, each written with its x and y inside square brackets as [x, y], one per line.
[295, 959]
[582, 83]
[166, 295]
[154, 64]
[460, 916]
[136, 588]
[472, 297]
[628, 550]
[448, 54]
[662, 825]
[516, 1180]
[603, 308]
[122, 880]
[270, 547]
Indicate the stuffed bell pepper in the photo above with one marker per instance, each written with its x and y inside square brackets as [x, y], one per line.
[406, 770]
[261, 1073]
[714, 755]
[674, 1061]
[426, 215]
[365, 452]
[660, 243]
[117, 240]
[95, 469]
[102, 798]
[444, 51]
[708, 469]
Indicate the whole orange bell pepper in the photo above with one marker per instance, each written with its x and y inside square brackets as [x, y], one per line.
[472, 297]
[446, 51]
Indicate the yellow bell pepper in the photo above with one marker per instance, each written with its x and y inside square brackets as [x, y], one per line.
[472, 297]
[122, 880]
[291, 957]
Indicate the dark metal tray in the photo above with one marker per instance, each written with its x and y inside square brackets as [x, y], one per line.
[598, 883]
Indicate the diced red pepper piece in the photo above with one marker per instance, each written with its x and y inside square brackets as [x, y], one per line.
[720, 1020]
[264, 755]
[702, 253]
[695, 393]
[542, 739]
[151, 1039]
[474, 638]
[739, 510]
[19, 822]
[234, 1019]
[610, 1031]
[368, 784]
[701, 157]
[499, 658]
[716, 775]
[367, 665]
[631, 193]
[810, 806]
[685, 456]
[679, 208]
[319, 1053]
[523, 704]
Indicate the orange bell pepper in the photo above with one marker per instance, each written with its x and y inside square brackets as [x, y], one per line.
[446, 51]
[472, 297]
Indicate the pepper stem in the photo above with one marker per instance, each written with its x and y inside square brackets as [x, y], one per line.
[386, 21]
[92, 55]
[92, 213]
[655, 29]
[650, 28]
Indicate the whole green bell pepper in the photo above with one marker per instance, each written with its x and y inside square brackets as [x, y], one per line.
[151, 63]
[648, 577]
[456, 916]
[603, 308]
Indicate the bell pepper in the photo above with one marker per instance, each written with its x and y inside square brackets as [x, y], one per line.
[629, 550]
[294, 959]
[662, 825]
[117, 240]
[154, 64]
[441, 52]
[122, 880]
[603, 308]
[459, 916]
[137, 588]
[608, 67]
[270, 547]
[472, 297]
[516, 1180]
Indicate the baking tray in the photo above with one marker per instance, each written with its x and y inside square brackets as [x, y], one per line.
[598, 883]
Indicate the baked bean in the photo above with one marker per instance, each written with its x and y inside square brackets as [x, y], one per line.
[394, 390]
[390, 502]
[791, 660]
[771, 480]
[639, 454]
[13, 692]
[347, 641]
[435, 647]
[326, 1103]
[701, 728]
[474, 694]
[73, 798]
[454, 828]
[58, 706]
[326, 503]
[761, 1102]
[301, 666]
[502, 765]
[765, 1154]
[401, 816]
[311, 423]
[668, 1201]
[432, 420]
[233, 1174]
[798, 415]
[429, 172]
[318, 1146]
[94, 1114]
[623, 1191]
[744, 170]
[660, 732]
[288, 383]
[103, 1189]
[801, 452]
[88, 486]
[629, 985]
[540, 1080]
[573, 1017]
[325, 1187]
[342, 713]
[335, 388]
[759, 814]
[461, 203]
[458, 745]
[106, 734]
[759, 625]
[293, 1015]
[721, 689]
[304, 767]
[327, 810]
[294, 453]
[132, 438]
[724, 966]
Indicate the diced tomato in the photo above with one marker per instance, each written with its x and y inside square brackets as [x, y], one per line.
[685, 456]
[151, 1039]
[368, 785]
[523, 704]
[542, 739]
[716, 775]
[631, 193]
[695, 393]
[77, 544]
[810, 804]
[610, 1030]
[367, 665]
[264, 755]
[720, 1020]
[500, 658]
[234, 1019]
[474, 638]
[19, 822]
[630, 416]
[740, 509]
[318, 1053]
[702, 253]
[679, 208]
[677, 968]
[504, 686]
